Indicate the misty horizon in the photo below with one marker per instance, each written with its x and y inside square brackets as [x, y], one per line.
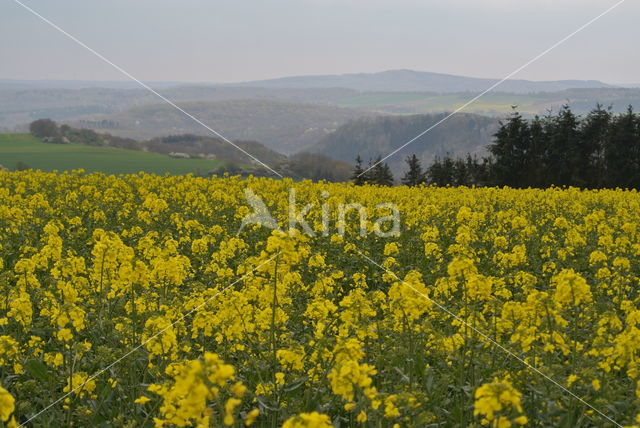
[217, 42]
[285, 76]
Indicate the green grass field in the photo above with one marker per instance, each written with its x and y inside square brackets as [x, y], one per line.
[24, 148]
[413, 103]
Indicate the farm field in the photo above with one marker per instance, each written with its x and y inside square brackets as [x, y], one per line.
[24, 148]
[135, 300]
[413, 103]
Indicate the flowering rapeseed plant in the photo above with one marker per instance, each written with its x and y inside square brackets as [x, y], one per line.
[133, 301]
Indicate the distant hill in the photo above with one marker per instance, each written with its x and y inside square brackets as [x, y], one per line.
[390, 92]
[287, 115]
[20, 105]
[379, 136]
[280, 125]
[420, 81]
[387, 81]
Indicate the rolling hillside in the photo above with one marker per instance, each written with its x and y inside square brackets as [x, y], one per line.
[24, 148]
[280, 125]
[250, 112]
[21, 105]
[372, 137]
[493, 103]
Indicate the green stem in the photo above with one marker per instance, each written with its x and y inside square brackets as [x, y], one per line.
[274, 307]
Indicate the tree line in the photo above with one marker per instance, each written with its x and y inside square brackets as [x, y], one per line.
[598, 150]
[233, 162]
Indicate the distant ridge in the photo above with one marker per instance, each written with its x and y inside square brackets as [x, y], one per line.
[385, 81]
[420, 81]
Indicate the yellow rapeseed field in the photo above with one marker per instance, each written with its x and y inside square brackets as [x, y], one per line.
[133, 301]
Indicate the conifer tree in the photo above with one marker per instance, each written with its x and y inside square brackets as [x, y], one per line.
[510, 150]
[622, 154]
[594, 131]
[381, 174]
[442, 172]
[563, 149]
[562, 157]
[414, 175]
[534, 165]
[358, 177]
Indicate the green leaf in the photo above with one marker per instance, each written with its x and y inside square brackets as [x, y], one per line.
[38, 370]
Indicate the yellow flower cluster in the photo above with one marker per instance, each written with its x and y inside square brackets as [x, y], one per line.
[195, 383]
[308, 420]
[7, 407]
[495, 401]
[117, 290]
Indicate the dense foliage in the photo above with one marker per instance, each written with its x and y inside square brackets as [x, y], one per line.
[599, 150]
[132, 301]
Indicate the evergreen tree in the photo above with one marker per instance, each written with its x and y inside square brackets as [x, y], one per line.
[441, 172]
[534, 170]
[381, 174]
[562, 155]
[478, 173]
[461, 176]
[434, 172]
[598, 150]
[414, 175]
[622, 159]
[466, 171]
[594, 131]
[358, 177]
[386, 177]
[511, 150]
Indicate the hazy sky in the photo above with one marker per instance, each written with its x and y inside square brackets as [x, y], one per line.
[239, 40]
